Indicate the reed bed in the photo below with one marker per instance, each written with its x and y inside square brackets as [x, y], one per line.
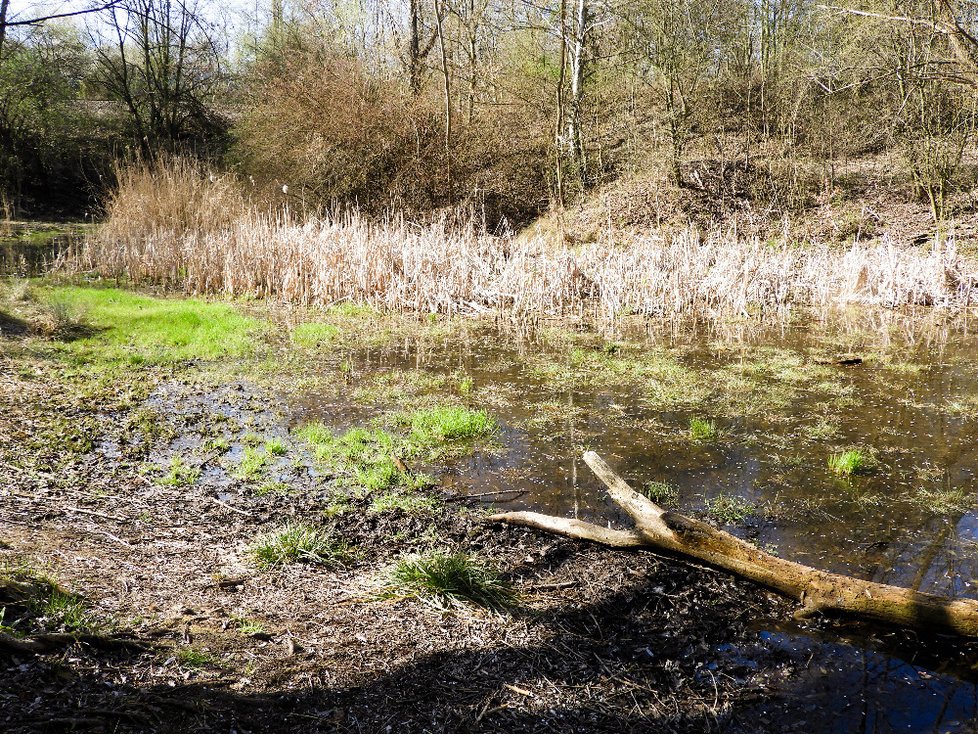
[194, 230]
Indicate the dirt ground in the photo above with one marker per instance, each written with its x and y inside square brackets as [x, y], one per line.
[599, 640]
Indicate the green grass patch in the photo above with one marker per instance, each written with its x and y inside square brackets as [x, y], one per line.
[180, 474]
[296, 543]
[32, 602]
[253, 463]
[448, 579]
[139, 329]
[249, 627]
[662, 493]
[372, 456]
[450, 424]
[729, 508]
[851, 462]
[276, 447]
[272, 488]
[192, 657]
[314, 334]
[702, 430]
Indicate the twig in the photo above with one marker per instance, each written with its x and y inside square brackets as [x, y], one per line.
[103, 515]
[226, 506]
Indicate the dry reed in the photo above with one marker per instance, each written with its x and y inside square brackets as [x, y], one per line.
[194, 230]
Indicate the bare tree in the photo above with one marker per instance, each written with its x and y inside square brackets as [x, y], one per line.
[161, 62]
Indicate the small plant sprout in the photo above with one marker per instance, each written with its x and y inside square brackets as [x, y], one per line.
[448, 579]
[296, 543]
[249, 627]
[181, 474]
[191, 657]
[702, 430]
[851, 462]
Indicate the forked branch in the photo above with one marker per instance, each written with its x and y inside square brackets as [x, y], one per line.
[818, 591]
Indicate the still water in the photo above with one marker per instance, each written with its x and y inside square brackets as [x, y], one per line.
[783, 400]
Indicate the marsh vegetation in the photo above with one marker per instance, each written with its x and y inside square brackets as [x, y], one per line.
[327, 284]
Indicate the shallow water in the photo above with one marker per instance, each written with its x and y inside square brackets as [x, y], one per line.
[27, 249]
[912, 521]
[913, 405]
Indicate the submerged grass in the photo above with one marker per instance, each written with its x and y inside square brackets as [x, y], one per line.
[729, 508]
[448, 579]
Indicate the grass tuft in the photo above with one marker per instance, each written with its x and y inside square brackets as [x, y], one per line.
[729, 508]
[851, 462]
[295, 543]
[449, 424]
[181, 474]
[409, 504]
[662, 493]
[448, 579]
[701, 430]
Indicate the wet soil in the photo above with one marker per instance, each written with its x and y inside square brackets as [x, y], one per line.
[600, 640]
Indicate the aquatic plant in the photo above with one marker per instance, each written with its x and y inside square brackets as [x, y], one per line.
[179, 227]
[851, 462]
[944, 500]
[661, 493]
[448, 578]
[293, 543]
[729, 508]
[702, 430]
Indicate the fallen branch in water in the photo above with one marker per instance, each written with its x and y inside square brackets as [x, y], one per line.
[818, 591]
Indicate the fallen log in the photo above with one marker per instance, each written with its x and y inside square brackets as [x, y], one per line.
[818, 591]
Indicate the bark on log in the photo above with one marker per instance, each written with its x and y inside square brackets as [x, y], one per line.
[818, 591]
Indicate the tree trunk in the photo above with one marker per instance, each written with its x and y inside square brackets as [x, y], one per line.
[818, 591]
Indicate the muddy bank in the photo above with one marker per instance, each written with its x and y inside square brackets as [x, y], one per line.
[598, 640]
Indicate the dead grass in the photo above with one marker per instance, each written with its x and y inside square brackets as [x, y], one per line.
[181, 227]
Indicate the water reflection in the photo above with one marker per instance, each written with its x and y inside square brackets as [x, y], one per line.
[914, 401]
